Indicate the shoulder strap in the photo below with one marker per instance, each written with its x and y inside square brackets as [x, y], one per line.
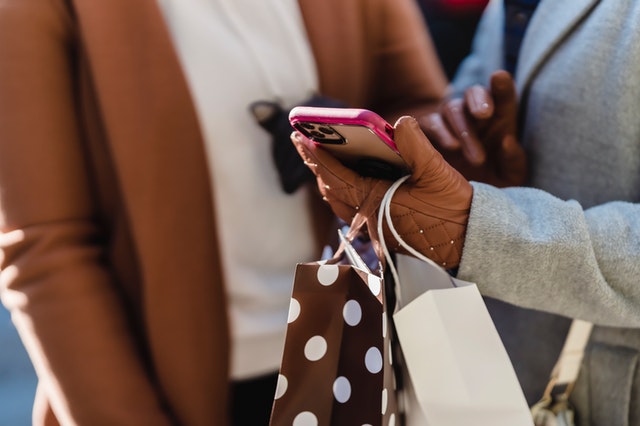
[568, 364]
[566, 370]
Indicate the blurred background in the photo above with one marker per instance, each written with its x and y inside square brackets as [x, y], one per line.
[452, 24]
[17, 378]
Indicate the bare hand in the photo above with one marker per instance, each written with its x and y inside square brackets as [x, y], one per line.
[477, 134]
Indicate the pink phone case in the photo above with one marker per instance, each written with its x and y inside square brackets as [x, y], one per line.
[360, 138]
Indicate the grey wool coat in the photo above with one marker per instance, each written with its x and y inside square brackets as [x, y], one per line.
[569, 246]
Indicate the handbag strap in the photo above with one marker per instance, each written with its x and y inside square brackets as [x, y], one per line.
[567, 367]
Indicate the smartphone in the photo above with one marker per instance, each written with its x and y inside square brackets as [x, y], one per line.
[359, 138]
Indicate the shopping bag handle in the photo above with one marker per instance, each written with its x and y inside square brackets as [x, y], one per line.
[385, 213]
[366, 208]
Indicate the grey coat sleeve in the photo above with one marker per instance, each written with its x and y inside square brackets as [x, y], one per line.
[531, 249]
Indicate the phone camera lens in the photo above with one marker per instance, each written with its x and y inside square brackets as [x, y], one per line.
[326, 130]
[308, 126]
[317, 134]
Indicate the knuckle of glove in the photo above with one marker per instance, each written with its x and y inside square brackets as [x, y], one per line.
[437, 239]
[435, 228]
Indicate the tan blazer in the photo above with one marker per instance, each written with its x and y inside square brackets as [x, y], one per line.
[108, 251]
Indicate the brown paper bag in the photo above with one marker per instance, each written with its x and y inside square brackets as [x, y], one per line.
[337, 366]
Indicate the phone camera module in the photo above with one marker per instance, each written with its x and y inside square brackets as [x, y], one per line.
[320, 133]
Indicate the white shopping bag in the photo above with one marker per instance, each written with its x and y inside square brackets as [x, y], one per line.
[458, 370]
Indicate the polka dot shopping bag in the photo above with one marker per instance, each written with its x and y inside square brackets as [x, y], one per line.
[337, 366]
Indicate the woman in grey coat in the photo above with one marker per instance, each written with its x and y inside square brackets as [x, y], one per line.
[568, 245]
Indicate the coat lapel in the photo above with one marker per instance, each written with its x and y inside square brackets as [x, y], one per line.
[552, 22]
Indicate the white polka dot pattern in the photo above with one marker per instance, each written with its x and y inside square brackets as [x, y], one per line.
[342, 389]
[305, 418]
[352, 312]
[294, 310]
[336, 367]
[327, 274]
[281, 387]
[315, 348]
[385, 400]
[384, 324]
[373, 360]
[375, 285]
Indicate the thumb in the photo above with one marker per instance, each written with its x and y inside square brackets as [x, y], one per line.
[414, 147]
[428, 168]
[431, 210]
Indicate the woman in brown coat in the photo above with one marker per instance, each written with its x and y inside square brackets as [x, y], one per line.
[110, 239]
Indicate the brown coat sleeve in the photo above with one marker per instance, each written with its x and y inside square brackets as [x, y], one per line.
[53, 278]
[408, 76]
[375, 54]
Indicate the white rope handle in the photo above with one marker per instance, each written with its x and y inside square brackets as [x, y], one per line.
[385, 213]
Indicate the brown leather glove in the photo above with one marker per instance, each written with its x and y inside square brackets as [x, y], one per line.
[430, 210]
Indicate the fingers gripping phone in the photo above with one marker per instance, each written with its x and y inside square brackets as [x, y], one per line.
[359, 138]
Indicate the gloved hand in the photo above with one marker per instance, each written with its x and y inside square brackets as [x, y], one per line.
[275, 119]
[430, 210]
[478, 133]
